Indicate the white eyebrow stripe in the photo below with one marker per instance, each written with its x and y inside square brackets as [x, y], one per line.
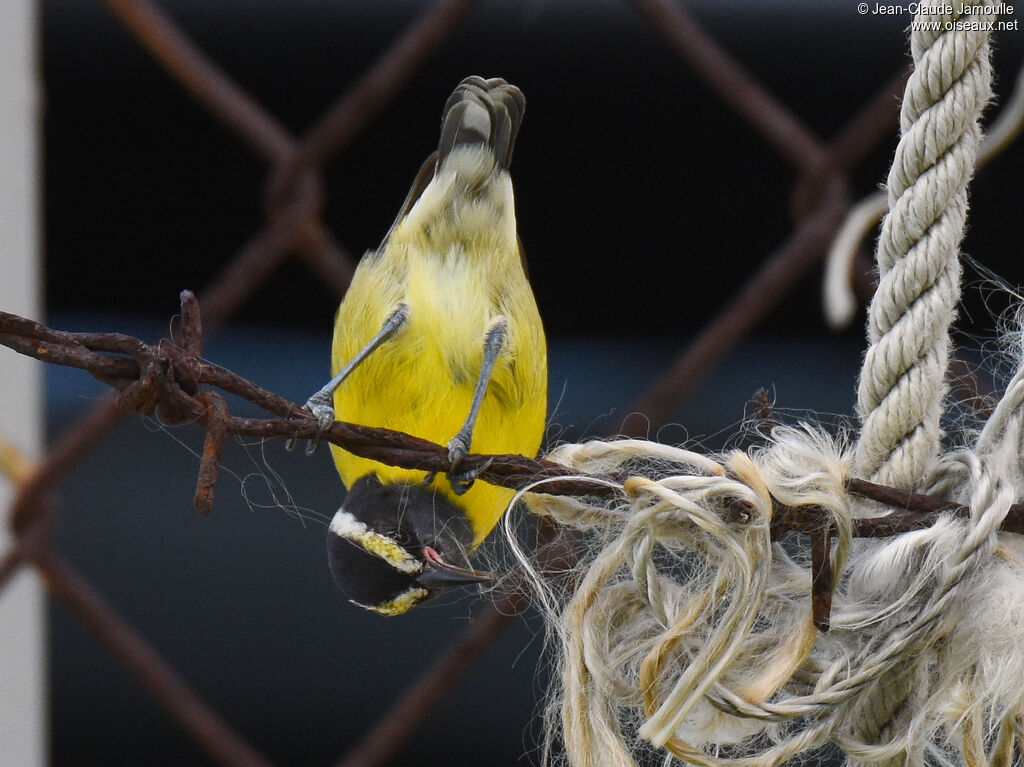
[347, 526]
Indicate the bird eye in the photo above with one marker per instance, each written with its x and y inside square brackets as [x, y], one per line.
[400, 537]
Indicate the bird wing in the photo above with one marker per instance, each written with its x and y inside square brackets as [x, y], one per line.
[423, 178]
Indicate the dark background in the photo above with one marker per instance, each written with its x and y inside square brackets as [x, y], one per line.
[643, 201]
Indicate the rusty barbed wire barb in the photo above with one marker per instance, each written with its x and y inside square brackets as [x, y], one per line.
[822, 578]
[190, 324]
[209, 462]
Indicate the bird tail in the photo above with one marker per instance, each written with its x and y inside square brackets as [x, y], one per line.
[485, 112]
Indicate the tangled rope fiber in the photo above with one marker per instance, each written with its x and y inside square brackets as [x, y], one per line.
[686, 628]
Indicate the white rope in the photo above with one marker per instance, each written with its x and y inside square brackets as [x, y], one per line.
[902, 384]
[838, 300]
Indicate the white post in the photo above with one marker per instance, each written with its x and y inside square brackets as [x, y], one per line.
[23, 710]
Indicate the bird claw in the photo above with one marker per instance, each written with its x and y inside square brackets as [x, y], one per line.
[458, 448]
[321, 405]
[461, 481]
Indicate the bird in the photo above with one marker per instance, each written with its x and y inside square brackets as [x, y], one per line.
[438, 336]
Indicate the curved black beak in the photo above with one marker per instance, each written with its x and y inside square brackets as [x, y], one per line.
[438, 575]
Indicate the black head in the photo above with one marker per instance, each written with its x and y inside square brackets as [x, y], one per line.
[391, 546]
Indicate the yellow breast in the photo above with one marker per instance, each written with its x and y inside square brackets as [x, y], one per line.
[421, 381]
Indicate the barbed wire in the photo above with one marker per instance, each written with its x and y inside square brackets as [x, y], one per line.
[168, 378]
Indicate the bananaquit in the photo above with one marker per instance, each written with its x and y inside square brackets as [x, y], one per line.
[439, 337]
